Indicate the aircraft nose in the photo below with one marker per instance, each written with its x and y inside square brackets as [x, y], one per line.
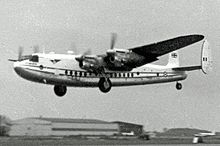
[17, 68]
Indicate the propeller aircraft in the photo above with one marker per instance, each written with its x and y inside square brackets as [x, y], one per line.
[118, 67]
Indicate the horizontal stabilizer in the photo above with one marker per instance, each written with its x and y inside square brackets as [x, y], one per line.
[188, 68]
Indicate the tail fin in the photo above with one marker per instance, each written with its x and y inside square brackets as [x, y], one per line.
[173, 60]
[206, 58]
[206, 61]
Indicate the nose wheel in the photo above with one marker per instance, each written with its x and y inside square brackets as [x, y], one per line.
[105, 85]
[178, 86]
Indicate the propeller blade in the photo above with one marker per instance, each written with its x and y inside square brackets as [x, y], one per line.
[20, 53]
[12, 60]
[81, 57]
[36, 49]
[74, 48]
[88, 52]
[113, 40]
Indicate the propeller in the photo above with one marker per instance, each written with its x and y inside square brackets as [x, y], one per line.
[113, 40]
[20, 53]
[36, 49]
[73, 48]
[88, 52]
[81, 57]
[23, 57]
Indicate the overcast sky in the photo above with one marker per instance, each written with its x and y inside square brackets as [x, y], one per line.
[86, 24]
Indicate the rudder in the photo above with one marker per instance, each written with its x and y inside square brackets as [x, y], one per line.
[206, 58]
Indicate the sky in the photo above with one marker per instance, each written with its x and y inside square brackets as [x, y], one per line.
[80, 25]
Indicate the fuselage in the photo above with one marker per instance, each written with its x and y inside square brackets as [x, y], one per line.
[63, 69]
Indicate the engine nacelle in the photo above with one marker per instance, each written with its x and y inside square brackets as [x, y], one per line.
[118, 57]
[91, 63]
[88, 66]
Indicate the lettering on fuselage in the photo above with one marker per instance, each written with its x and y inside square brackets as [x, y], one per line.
[32, 63]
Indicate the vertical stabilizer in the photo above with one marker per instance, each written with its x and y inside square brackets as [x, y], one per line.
[206, 58]
[173, 59]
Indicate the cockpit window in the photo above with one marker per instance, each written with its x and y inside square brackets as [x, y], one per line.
[34, 58]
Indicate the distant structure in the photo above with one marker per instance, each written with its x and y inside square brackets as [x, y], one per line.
[197, 139]
[129, 129]
[62, 127]
[5, 124]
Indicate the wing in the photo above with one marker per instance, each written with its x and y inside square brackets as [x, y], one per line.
[188, 68]
[158, 49]
[124, 60]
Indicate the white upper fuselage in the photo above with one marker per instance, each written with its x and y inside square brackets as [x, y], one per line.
[63, 69]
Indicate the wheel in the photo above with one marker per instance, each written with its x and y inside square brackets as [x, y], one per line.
[60, 90]
[178, 86]
[104, 85]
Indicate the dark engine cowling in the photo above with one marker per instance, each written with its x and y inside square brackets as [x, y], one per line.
[92, 64]
[123, 60]
[88, 65]
[118, 57]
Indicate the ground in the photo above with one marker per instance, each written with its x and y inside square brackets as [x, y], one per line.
[25, 141]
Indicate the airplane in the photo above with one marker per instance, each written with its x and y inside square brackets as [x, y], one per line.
[205, 134]
[118, 67]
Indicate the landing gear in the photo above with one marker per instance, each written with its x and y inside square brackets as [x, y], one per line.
[178, 86]
[60, 90]
[104, 84]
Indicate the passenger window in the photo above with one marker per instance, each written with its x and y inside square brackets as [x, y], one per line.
[75, 73]
[132, 74]
[71, 72]
[80, 74]
[34, 58]
[138, 73]
[128, 75]
[66, 72]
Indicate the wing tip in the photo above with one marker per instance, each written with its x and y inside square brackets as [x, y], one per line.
[196, 37]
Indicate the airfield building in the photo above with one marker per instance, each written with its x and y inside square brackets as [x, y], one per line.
[62, 127]
[129, 128]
